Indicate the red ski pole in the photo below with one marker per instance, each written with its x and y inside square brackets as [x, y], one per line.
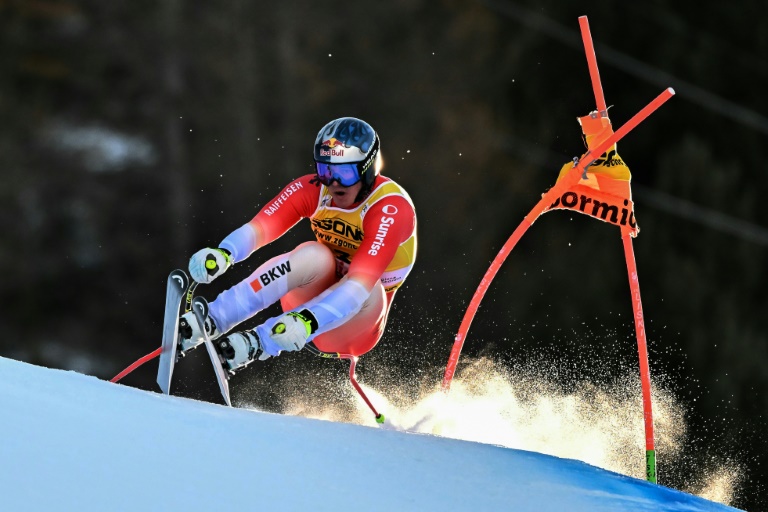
[190, 293]
[135, 365]
[352, 364]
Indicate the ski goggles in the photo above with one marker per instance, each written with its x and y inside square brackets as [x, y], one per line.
[346, 174]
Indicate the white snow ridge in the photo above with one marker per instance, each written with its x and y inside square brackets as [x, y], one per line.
[71, 442]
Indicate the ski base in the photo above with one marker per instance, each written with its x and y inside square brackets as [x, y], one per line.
[178, 283]
[200, 308]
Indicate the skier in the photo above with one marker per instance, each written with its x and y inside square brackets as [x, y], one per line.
[336, 291]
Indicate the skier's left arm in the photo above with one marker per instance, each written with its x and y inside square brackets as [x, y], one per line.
[297, 200]
[388, 224]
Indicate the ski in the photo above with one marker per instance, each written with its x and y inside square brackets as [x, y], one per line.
[178, 283]
[200, 308]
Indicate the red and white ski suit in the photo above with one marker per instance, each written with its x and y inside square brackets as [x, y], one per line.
[372, 243]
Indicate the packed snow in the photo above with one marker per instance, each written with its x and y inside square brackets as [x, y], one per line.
[72, 442]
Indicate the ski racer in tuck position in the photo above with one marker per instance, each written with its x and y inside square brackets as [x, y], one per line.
[336, 291]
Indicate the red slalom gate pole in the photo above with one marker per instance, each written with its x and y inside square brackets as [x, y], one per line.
[634, 283]
[642, 351]
[549, 197]
[594, 74]
[135, 365]
[469, 315]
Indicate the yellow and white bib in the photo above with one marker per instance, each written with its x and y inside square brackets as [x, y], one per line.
[341, 230]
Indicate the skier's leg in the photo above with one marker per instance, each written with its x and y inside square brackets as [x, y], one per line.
[360, 333]
[355, 337]
[306, 270]
[311, 265]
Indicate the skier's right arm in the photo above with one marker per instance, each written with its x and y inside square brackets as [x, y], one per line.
[297, 200]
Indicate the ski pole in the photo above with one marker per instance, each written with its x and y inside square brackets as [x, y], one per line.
[135, 365]
[352, 364]
[156, 353]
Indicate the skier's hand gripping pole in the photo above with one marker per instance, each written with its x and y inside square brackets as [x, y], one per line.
[208, 264]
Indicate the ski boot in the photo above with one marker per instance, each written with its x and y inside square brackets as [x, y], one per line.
[239, 349]
[190, 335]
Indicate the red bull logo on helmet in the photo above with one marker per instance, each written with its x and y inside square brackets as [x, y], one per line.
[335, 147]
[333, 143]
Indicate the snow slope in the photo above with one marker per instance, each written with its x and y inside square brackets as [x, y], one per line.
[71, 442]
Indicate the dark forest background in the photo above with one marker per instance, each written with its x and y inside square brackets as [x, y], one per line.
[134, 133]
